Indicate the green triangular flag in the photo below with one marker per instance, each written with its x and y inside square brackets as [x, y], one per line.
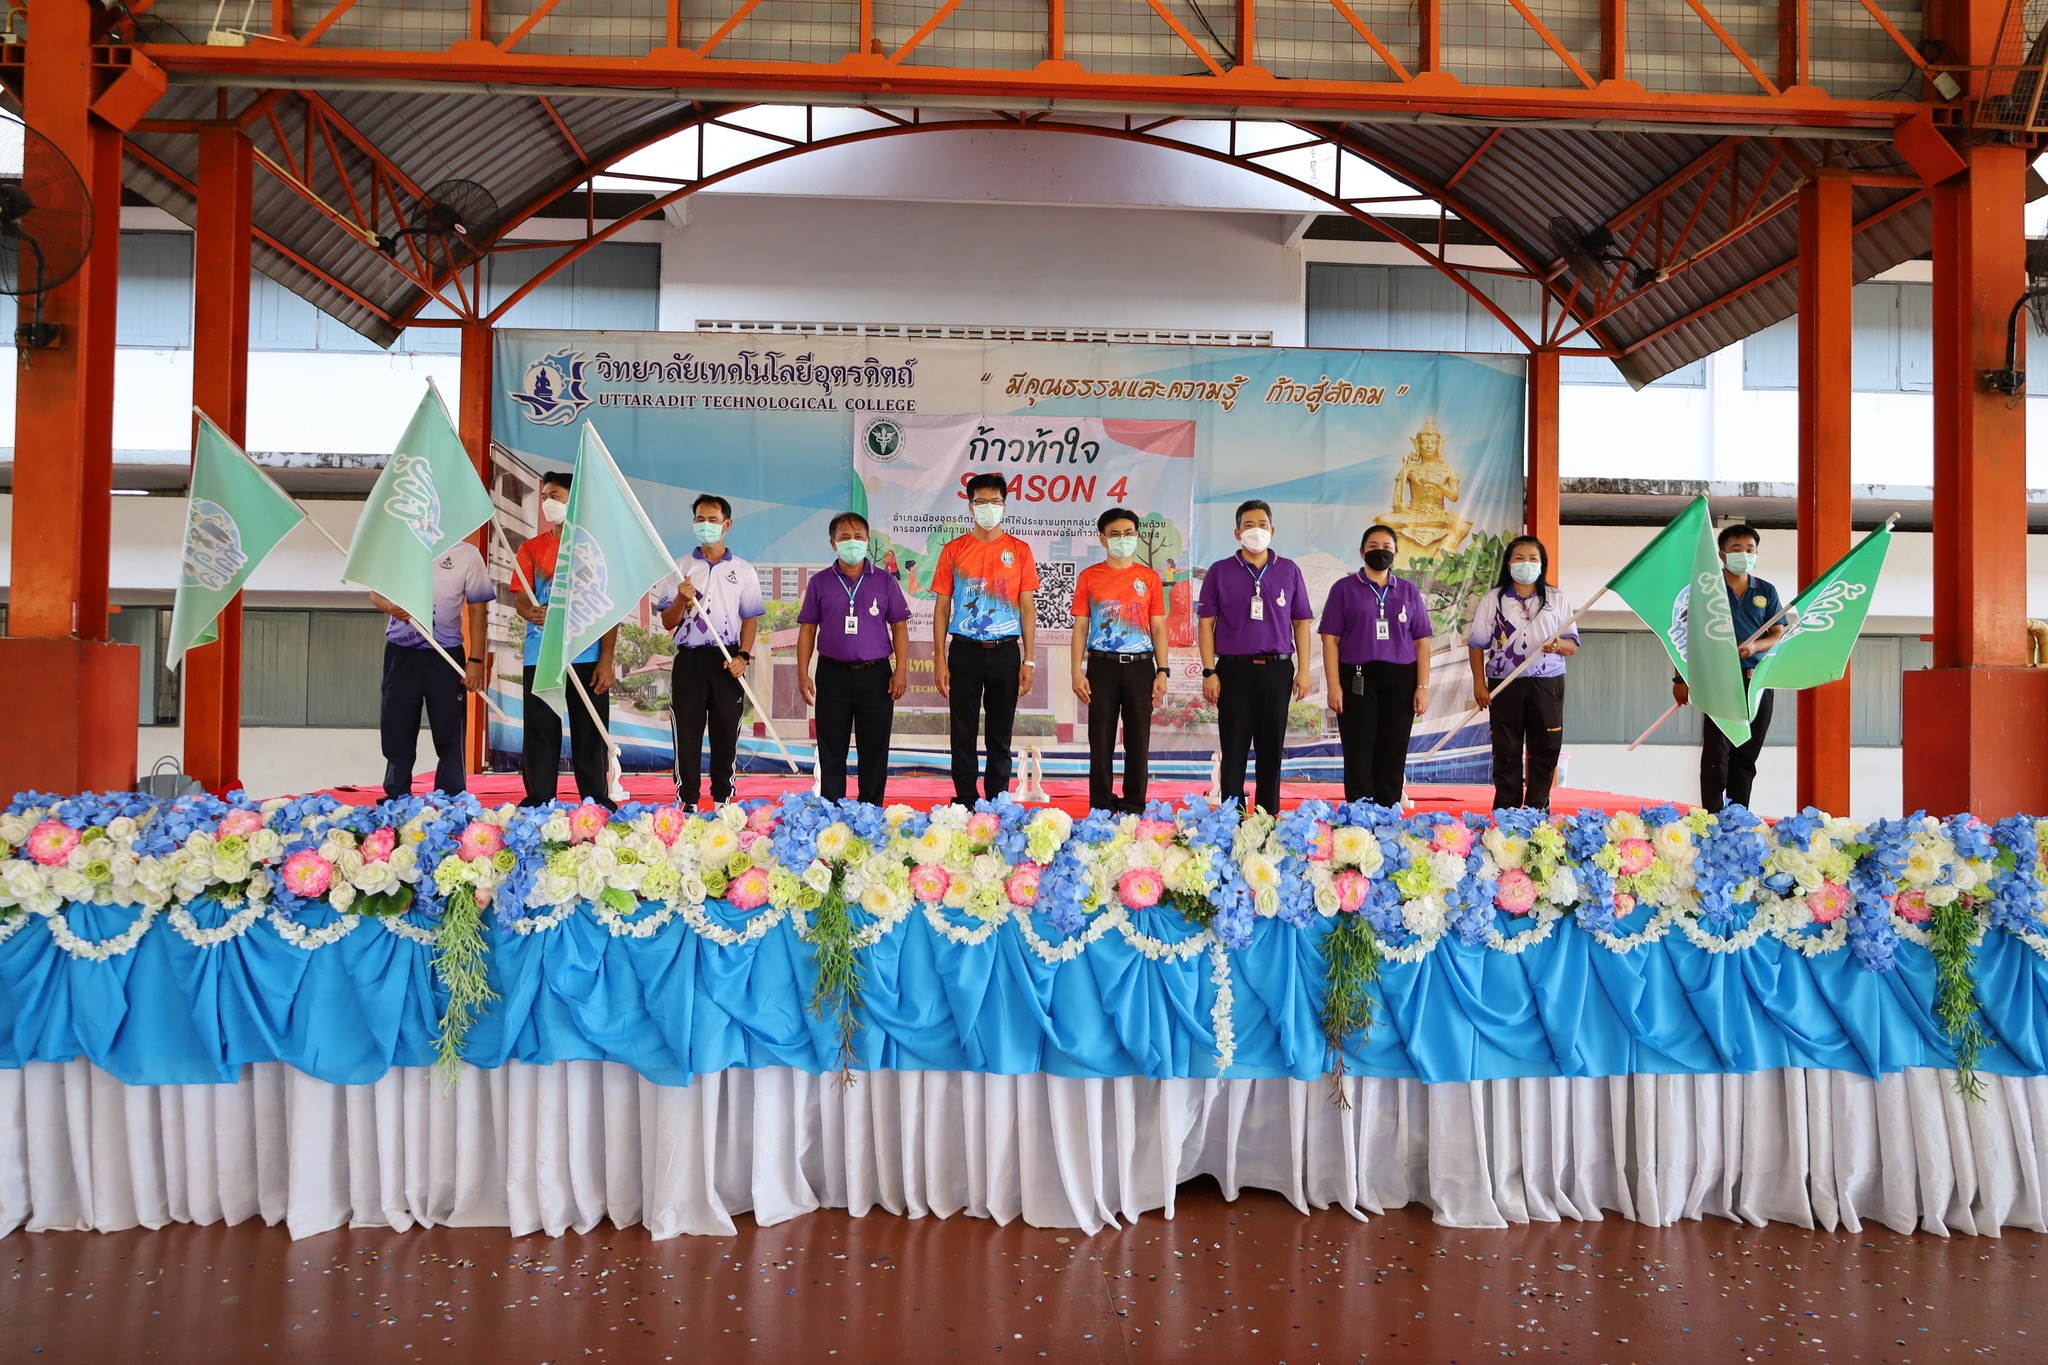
[427, 500]
[234, 516]
[609, 558]
[1679, 566]
[1823, 622]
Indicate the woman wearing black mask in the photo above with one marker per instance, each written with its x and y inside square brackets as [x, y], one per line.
[1515, 619]
[1375, 632]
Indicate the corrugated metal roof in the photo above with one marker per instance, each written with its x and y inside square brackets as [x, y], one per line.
[508, 143]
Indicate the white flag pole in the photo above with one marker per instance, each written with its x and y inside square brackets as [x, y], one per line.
[1555, 635]
[697, 609]
[1672, 710]
[602, 728]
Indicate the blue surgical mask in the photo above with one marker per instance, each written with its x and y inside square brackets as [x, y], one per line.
[1525, 572]
[1741, 563]
[1123, 547]
[708, 532]
[852, 552]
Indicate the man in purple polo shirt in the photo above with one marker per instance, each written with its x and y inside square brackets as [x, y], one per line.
[415, 676]
[1254, 637]
[854, 618]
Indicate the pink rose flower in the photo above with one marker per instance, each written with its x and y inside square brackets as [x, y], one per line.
[1022, 884]
[668, 823]
[749, 890]
[762, 820]
[1454, 839]
[1160, 832]
[1636, 856]
[1624, 903]
[929, 882]
[483, 897]
[242, 822]
[587, 821]
[381, 844]
[1351, 886]
[1319, 850]
[1141, 887]
[479, 840]
[1911, 905]
[307, 874]
[1515, 892]
[982, 827]
[51, 842]
[1829, 903]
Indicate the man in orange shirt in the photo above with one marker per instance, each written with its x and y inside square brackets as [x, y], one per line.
[589, 755]
[982, 655]
[1120, 666]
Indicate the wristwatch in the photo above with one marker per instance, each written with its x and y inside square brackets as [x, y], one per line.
[742, 654]
[1161, 671]
[1208, 672]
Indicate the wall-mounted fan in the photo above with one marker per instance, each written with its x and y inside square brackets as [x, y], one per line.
[2012, 380]
[45, 224]
[452, 226]
[1588, 252]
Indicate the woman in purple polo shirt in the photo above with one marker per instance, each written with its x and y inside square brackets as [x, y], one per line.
[1378, 677]
[1519, 616]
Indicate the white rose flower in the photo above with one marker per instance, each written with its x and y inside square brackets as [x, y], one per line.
[341, 896]
[405, 861]
[1326, 901]
[123, 866]
[629, 876]
[1939, 896]
[589, 885]
[23, 881]
[692, 890]
[120, 828]
[375, 879]
[199, 844]
[14, 829]
[733, 817]
[265, 845]
[259, 886]
[231, 869]
[555, 829]
[818, 876]
[155, 876]
[988, 867]
[76, 859]
[72, 886]
[1267, 903]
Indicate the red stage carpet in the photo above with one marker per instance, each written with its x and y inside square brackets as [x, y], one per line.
[1069, 794]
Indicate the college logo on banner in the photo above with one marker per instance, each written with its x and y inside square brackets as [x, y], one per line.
[883, 440]
[551, 392]
[589, 595]
[1678, 619]
[414, 500]
[1820, 613]
[213, 547]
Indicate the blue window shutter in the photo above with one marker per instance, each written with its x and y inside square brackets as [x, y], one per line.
[154, 296]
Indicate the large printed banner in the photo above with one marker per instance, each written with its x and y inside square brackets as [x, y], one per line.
[791, 429]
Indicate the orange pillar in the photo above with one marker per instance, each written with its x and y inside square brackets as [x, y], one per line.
[473, 420]
[1540, 488]
[55, 665]
[220, 389]
[1825, 279]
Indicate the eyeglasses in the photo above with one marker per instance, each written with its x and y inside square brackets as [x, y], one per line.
[986, 502]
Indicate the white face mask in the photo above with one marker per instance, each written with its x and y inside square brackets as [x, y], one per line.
[553, 510]
[1741, 563]
[1255, 539]
[1525, 572]
[988, 515]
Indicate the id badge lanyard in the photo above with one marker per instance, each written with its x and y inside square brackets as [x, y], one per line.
[1258, 611]
[853, 600]
[1380, 630]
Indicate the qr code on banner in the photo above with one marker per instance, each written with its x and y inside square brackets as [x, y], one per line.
[1055, 600]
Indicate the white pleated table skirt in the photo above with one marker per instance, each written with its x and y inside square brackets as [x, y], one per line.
[550, 1148]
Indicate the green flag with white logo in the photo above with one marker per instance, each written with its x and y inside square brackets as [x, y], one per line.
[427, 500]
[234, 516]
[1823, 622]
[610, 557]
[1678, 568]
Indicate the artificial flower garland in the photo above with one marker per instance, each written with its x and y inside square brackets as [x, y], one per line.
[1378, 886]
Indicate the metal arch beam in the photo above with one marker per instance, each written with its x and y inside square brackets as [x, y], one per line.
[895, 130]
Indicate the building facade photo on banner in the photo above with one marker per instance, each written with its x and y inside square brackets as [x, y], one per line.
[791, 429]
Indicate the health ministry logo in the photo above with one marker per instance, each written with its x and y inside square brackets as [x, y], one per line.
[551, 392]
[213, 547]
[884, 440]
[414, 500]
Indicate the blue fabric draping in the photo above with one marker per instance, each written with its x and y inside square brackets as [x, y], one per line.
[674, 1005]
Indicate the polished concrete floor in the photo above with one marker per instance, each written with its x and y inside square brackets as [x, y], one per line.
[1245, 1282]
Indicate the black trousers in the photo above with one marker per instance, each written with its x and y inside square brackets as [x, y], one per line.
[1251, 713]
[985, 681]
[704, 696]
[1527, 717]
[1119, 691]
[854, 702]
[1378, 717]
[1728, 771]
[414, 678]
[589, 756]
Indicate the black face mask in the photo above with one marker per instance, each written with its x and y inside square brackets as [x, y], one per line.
[1379, 561]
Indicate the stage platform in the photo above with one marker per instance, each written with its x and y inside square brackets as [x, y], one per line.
[1069, 794]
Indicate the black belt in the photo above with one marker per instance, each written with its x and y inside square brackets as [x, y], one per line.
[706, 649]
[985, 644]
[1109, 658]
[1252, 658]
[851, 665]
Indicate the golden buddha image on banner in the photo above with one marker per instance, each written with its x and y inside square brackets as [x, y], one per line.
[1424, 488]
